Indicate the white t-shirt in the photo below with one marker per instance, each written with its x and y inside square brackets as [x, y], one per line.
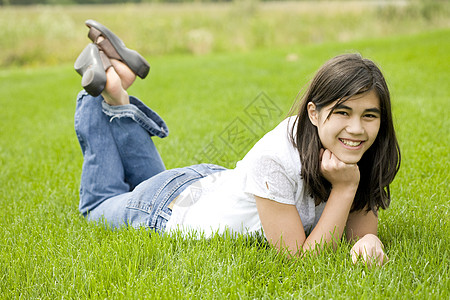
[225, 200]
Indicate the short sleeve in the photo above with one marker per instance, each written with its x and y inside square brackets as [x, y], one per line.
[267, 178]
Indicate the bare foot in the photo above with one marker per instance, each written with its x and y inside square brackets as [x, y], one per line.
[126, 75]
[119, 78]
[114, 93]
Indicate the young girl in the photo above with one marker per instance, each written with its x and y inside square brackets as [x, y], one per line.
[318, 173]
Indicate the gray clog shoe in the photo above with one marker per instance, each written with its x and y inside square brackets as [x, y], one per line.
[113, 47]
[91, 64]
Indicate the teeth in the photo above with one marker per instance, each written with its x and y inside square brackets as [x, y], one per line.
[350, 143]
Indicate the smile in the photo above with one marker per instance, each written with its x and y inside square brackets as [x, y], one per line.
[350, 143]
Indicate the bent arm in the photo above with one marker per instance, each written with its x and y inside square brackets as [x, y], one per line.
[282, 224]
[330, 227]
[283, 227]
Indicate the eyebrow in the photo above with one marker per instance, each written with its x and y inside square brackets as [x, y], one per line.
[372, 110]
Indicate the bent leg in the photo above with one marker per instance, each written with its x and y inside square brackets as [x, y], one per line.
[117, 148]
[102, 175]
[132, 126]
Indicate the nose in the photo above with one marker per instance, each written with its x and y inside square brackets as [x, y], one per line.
[355, 126]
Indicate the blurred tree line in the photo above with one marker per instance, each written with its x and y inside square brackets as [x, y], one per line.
[64, 2]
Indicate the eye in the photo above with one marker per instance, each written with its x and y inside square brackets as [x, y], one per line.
[341, 112]
[370, 116]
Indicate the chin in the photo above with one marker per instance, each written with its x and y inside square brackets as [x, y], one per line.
[349, 159]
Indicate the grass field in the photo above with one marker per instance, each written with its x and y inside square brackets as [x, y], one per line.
[49, 251]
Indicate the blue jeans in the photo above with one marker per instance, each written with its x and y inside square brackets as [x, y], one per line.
[124, 181]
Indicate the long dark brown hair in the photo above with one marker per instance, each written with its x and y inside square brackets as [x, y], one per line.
[341, 78]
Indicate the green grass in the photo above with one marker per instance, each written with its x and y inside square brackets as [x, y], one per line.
[49, 251]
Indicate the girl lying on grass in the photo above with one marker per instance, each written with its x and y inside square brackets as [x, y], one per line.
[318, 173]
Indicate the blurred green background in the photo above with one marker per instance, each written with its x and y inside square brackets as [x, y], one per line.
[33, 35]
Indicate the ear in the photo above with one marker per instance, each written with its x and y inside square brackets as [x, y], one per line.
[313, 114]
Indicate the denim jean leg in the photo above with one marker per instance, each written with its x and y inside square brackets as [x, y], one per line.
[117, 147]
[102, 174]
[139, 156]
[148, 204]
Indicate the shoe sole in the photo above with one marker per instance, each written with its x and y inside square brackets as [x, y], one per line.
[90, 66]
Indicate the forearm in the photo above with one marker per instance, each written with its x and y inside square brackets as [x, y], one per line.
[361, 223]
[333, 220]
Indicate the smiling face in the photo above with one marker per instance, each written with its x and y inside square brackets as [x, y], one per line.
[351, 128]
